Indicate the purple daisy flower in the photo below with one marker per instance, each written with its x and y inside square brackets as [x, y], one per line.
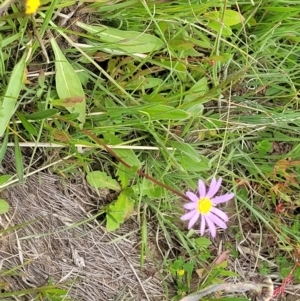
[203, 205]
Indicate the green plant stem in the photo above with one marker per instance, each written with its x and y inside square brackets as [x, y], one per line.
[139, 171]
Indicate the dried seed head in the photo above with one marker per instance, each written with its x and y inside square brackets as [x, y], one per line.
[265, 292]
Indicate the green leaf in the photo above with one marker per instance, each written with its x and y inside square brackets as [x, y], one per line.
[4, 179]
[9, 100]
[226, 31]
[162, 112]
[185, 148]
[27, 125]
[41, 115]
[4, 206]
[143, 83]
[219, 21]
[125, 175]
[230, 17]
[197, 90]
[4, 146]
[192, 164]
[263, 147]
[127, 41]
[68, 85]
[149, 189]
[127, 155]
[118, 212]
[202, 242]
[99, 179]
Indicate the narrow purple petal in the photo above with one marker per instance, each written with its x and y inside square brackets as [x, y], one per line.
[193, 220]
[202, 226]
[222, 198]
[214, 187]
[211, 226]
[202, 189]
[217, 221]
[190, 206]
[188, 215]
[220, 214]
[192, 196]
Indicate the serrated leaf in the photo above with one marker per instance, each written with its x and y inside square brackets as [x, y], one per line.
[125, 175]
[99, 179]
[68, 85]
[4, 206]
[125, 40]
[118, 212]
[9, 100]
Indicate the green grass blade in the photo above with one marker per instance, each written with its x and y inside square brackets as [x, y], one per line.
[9, 100]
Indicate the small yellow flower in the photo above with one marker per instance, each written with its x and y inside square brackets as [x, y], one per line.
[31, 6]
[180, 272]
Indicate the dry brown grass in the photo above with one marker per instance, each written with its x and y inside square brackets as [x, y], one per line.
[82, 257]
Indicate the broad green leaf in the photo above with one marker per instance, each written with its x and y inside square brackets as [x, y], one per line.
[4, 206]
[9, 100]
[191, 164]
[68, 85]
[127, 155]
[163, 112]
[4, 179]
[230, 17]
[118, 212]
[202, 242]
[185, 148]
[127, 41]
[197, 90]
[99, 179]
[263, 147]
[149, 189]
[226, 31]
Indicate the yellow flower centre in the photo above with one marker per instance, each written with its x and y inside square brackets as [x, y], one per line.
[31, 6]
[180, 272]
[204, 205]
